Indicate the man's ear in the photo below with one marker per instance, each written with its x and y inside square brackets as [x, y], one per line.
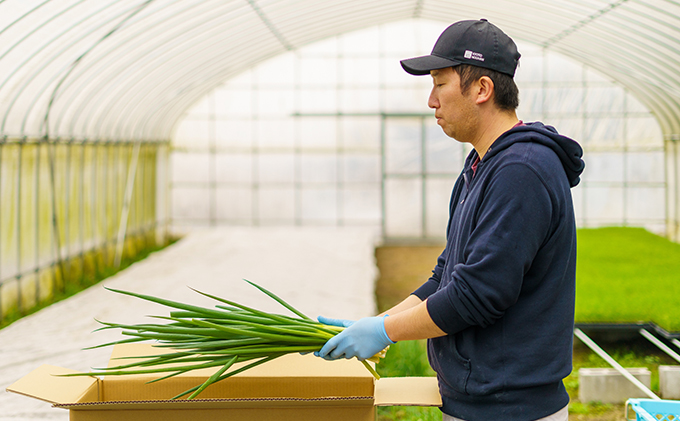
[485, 89]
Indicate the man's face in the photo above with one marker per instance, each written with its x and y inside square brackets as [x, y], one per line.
[456, 112]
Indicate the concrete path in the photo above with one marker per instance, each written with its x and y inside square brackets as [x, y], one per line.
[319, 271]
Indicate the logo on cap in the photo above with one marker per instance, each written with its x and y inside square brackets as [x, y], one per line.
[473, 56]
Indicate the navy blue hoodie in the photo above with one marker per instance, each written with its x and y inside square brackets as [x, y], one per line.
[503, 289]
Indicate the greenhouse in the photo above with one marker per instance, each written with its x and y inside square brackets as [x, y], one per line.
[127, 124]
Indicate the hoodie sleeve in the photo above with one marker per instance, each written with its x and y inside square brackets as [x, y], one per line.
[432, 284]
[512, 222]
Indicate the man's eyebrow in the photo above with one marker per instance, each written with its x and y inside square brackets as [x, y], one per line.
[434, 73]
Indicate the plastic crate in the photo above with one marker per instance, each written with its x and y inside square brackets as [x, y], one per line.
[653, 410]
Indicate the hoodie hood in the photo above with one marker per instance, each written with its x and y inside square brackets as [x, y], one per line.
[568, 150]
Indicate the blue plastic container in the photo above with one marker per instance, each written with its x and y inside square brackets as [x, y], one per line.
[653, 410]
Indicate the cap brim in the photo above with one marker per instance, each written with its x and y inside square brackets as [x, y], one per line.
[422, 65]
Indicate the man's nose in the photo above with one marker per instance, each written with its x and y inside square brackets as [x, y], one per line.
[432, 101]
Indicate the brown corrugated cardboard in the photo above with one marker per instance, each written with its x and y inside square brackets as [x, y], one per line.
[43, 383]
[293, 387]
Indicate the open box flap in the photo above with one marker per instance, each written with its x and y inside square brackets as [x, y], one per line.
[45, 383]
[407, 391]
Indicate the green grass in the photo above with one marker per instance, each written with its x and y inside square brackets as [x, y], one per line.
[406, 359]
[627, 275]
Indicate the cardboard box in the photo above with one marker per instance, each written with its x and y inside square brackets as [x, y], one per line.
[291, 388]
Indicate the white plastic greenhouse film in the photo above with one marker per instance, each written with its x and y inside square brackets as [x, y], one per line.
[673, 189]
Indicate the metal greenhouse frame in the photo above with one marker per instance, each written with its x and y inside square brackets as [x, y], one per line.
[92, 93]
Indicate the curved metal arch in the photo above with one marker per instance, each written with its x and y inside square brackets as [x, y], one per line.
[551, 29]
[615, 39]
[329, 9]
[45, 121]
[652, 99]
[657, 105]
[146, 90]
[42, 68]
[37, 28]
[614, 49]
[656, 8]
[208, 83]
[77, 61]
[149, 132]
[435, 11]
[111, 63]
[660, 97]
[322, 28]
[130, 88]
[220, 79]
[656, 102]
[665, 108]
[649, 17]
[313, 19]
[596, 67]
[182, 104]
[2, 85]
[663, 112]
[177, 78]
[23, 16]
[232, 70]
[167, 119]
[185, 62]
[621, 68]
[144, 71]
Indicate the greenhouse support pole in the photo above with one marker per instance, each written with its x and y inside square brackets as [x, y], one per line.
[599, 351]
[129, 188]
[51, 150]
[662, 346]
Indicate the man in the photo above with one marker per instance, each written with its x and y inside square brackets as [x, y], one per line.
[499, 308]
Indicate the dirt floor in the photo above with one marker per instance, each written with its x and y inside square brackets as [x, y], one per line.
[404, 268]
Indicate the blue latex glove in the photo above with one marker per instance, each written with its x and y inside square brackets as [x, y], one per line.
[335, 322]
[331, 322]
[362, 339]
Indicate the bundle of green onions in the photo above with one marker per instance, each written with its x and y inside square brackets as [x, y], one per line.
[221, 337]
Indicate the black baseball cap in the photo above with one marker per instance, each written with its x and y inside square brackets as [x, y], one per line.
[475, 42]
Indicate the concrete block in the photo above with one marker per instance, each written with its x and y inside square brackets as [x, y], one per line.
[669, 381]
[607, 385]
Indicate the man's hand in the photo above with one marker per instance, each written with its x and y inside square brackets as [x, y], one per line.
[362, 339]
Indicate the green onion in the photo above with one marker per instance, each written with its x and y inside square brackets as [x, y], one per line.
[220, 337]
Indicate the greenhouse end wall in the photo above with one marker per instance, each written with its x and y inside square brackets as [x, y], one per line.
[63, 204]
[336, 133]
